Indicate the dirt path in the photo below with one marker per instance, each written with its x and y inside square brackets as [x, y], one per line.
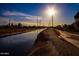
[50, 43]
[72, 38]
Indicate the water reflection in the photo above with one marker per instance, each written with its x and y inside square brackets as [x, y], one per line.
[18, 44]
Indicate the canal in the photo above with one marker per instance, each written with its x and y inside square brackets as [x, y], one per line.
[18, 44]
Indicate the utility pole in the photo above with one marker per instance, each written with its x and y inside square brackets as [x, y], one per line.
[52, 21]
[37, 21]
[40, 22]
[9, 22]
[49, 24]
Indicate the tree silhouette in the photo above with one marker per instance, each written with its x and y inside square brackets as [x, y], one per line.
[77, 19]
[19, 25]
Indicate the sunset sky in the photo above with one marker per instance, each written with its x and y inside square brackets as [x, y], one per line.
[27, 13]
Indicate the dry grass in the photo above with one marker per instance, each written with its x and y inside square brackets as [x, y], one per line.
[8, 31]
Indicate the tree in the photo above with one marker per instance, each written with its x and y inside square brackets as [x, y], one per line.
[77, 19]
[19, 25]
[59, 27]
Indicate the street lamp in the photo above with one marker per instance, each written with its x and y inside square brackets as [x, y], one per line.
[51, 12]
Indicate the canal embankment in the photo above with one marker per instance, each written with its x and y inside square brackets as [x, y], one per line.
[50, 43]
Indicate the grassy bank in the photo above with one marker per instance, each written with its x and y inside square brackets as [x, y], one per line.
[13, 31]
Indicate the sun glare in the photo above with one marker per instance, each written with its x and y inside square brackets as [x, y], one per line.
[51, 12]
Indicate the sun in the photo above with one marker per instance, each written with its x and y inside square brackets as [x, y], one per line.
[51, 11]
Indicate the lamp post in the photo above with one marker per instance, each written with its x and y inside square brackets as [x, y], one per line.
[51, 13]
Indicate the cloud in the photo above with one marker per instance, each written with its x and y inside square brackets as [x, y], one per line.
[13, 13]
[22, 17]
[19, 15]
[26, 16]
[4, 21]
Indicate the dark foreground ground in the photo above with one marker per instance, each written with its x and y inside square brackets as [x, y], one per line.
[50, 43]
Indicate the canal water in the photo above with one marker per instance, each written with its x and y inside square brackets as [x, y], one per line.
[18, 44]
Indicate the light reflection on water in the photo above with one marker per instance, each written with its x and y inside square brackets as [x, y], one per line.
[19, 43]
